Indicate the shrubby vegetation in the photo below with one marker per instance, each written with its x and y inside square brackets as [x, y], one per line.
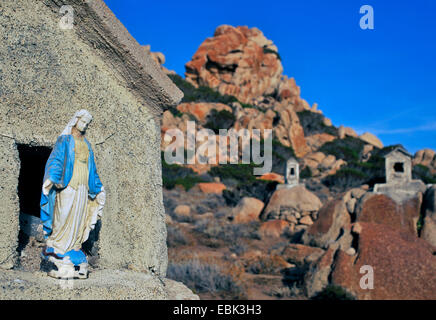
[219, 120]
[356, 172]
[313, 123]
[332, 292]
[348, 149]
[174, 174]
[175, 237]
[228, 232]
[200, 94]
[202, 277]
[268, 50]
[422, 172]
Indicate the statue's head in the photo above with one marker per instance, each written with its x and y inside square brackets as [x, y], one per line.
[83, 122]
[79, 121]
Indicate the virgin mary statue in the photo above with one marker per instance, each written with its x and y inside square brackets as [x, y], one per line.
[72, 200]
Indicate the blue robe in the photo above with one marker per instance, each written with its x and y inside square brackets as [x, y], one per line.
[59, 169]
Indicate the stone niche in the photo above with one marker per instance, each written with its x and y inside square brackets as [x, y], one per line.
[399, 183]
[292, 174]
[48, 73]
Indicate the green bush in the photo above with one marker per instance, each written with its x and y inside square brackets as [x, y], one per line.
[174, 174]
[313, 123]
[332, 292]
[217, 120]
[202, 277]
[348, 149]
[306, 173]
[200, 94]
[423, 173]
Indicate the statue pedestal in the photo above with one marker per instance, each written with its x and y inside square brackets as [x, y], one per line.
[287, 186]
[101, 285]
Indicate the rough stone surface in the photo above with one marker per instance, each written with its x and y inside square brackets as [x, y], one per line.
[297, 199]
[248, 209]
[48, 74]
[300, 254]
[379, 208]
[404, 265]
[426, 157]
[332, 218]
[182, 211]
[237, 61]
[272, 177]
[371, 139]
[101, 285]
[212, 187]
[428, 231]
[317, 277]
[9, 208]
[201, 110]
[273, 228]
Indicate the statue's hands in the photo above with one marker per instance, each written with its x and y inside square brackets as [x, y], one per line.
[47, 185]
[101, 200]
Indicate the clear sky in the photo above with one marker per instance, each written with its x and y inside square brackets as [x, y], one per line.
[381, 80]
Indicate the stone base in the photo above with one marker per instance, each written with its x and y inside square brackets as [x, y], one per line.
[401, 192]
[287, 186]
[101, 285]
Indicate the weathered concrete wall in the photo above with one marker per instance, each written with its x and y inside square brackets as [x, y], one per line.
[429, 208]
[393, 177]
[9, 206]
[46, 75]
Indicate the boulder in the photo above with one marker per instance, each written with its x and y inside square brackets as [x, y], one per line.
[428, 231]
[332, 219]
[297, 199]
[404, 266]
[300, 254]
[182, 211]
[371, 139]
[247, 210]
[212, 187]
[273, 228]
[317, 276]
[272, 177]
[306, 220]
[426, 157]
[381, 209]
[317, 140]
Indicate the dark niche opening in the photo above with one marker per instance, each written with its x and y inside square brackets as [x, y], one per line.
[32, 165]
[292, 172]
[399, 167]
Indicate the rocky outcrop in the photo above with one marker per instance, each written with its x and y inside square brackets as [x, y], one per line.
[332, 220]
[371, 139]
[404, 266]
[300, 254]
[200, 110]
[426, 157]
[241, 62]
[381, 209]
[159, 58]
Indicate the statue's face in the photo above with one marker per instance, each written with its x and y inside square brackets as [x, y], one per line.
[82, 124]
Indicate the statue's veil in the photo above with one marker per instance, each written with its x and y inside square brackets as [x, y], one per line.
[74, 120]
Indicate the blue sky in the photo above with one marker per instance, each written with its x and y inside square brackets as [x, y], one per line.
[381, 80]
